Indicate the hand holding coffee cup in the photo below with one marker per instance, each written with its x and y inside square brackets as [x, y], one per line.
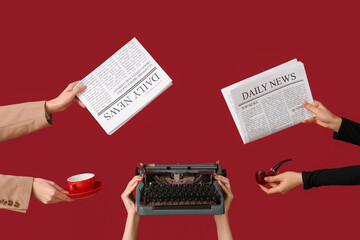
[81, 182]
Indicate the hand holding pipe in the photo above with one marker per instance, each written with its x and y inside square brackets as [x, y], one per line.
[260, 175]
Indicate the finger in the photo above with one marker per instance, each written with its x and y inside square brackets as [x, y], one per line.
[310, 107]
[79, 89]
[226, 183]
[273, 184]
[276, 173]
[222, 178]
[263, 188]
[71, 86]
[62, 197]
[268, 190]
[317, 103]
[272, 179]
[131, 182]
[131, 185]
[310, 120]
[134, 179]
[60, 189]
[224, 188]
[128, 191]
[80, 103]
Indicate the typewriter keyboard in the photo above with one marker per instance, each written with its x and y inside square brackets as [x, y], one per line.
[186, 196]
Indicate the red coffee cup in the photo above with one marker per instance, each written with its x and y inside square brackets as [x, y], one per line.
[81, 182]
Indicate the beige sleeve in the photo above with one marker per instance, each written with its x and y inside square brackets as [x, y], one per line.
[20, 119]
[15, 192]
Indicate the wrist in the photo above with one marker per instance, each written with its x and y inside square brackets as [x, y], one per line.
[336, 123]
[222, 217]
[133, 216]
[34, 185]
[50, 107]
[299, 179]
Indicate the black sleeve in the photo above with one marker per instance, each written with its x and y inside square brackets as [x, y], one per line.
[336, 176]
[349, 131]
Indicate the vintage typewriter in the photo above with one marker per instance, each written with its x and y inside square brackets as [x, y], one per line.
[179, 189]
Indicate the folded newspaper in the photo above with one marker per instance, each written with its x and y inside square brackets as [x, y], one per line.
[270, 101]
[123, 85]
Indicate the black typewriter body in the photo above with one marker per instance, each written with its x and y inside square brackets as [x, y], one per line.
[179, 189]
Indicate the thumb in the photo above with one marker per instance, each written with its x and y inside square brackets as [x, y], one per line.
[309, 107]
[79, 89]
[273, 178]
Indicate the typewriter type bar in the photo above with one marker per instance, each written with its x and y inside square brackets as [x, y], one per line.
[179, 189]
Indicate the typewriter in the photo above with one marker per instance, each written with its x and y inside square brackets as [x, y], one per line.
[179, 189]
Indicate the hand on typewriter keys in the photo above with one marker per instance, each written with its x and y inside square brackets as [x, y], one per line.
[133, 219]
[222, 221]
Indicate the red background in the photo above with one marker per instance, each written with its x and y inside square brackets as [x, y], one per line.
[203, 46]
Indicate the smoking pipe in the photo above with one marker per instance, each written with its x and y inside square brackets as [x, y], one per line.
[260, 175]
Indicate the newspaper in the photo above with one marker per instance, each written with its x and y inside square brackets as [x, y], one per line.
[123, 85]
[270, 101]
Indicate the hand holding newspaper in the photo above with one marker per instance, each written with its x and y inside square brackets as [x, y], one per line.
[270, 101]
[123, 85]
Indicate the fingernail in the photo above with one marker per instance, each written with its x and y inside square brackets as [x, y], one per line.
[266, 178]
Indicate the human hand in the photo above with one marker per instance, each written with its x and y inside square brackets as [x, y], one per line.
[222, 221]
[133, 219]
[65, 99]
[48, 192]
[225, 186]
[323, 116]
[283, 182]
[128, 198]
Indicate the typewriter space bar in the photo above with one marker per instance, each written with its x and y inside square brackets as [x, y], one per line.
[198, 206]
